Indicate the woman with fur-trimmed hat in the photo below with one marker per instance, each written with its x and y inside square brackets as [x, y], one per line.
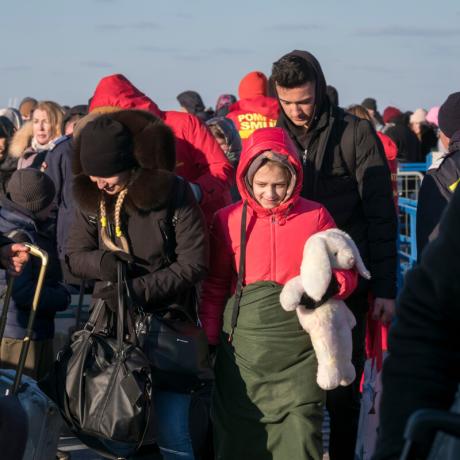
[123, 185]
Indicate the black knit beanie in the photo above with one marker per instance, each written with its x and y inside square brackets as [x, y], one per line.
[31, 189]
[106, 148]
[449, 115]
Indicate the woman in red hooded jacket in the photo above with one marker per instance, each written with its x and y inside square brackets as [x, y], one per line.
[266, 404]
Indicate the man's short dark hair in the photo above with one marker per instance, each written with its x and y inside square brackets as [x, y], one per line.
[292, 71]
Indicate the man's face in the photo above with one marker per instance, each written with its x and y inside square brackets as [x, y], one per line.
[298, 103]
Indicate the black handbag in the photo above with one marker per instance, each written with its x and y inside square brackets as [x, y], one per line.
[103, 385]
[171, 338]
[177, 348]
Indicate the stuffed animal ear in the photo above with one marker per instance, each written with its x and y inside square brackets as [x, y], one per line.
[359, 264]
[315, 271]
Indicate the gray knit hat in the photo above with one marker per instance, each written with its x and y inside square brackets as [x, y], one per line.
[31, 189]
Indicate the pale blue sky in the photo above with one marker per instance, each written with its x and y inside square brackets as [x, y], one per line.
[403, 53]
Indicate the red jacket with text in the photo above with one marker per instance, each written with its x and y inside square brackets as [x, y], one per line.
[199, 159]
[254, 113]
[275, 237]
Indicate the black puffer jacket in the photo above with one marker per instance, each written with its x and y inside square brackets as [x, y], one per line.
[153, 283]
[345, 169]
[435, 193]
[422, 369]
[409, 148]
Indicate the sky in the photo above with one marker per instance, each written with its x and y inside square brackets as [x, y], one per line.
[403, 53]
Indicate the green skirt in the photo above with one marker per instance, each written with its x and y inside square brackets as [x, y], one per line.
[266, 402]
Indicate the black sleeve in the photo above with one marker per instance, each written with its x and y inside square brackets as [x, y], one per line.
[82, 253]
[422, 369]
[430, 206]
[191, 265]
[374, 183]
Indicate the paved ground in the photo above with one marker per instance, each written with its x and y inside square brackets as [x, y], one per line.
[79, 452]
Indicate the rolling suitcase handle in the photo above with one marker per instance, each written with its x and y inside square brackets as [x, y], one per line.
[36, 252]
[422, 427]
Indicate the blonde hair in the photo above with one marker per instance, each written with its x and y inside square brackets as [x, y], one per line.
[55, 116]
[360, 112]
[117, 219]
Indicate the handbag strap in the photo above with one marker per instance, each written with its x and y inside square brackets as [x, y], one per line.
[239, 283]
[120, 312]
[92, 321]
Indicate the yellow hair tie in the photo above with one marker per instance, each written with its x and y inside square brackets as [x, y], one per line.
[118, 232]
[104, 221]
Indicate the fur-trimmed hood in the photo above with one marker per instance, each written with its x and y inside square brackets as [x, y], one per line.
[21, 140]
[154, 151]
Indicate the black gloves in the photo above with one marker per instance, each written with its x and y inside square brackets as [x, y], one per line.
[333, 288]
[108, 270]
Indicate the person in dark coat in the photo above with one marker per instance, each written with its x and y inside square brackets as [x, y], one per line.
[7, 164]
[224, 101]
[397, 128]
[439, 184]
[124, 182]
[192, 103]
[345, 169]
[422, 370]
[24, 218]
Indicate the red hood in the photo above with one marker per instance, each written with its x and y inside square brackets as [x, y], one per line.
[264, 105]
[390, 148]
[261, 140]
[117, 91]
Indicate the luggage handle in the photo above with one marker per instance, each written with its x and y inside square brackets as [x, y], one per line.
[43, 256]
[422, 427]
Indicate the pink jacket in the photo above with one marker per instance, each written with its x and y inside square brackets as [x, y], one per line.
[275, 238]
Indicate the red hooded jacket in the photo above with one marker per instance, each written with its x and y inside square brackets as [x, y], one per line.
[255, 113]
[199, 159]
[391, 153]
[254, 110]
[275, 237]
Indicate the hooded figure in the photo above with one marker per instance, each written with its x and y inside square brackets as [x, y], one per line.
[254, 109]
[198, 156]
[124, 183]
[266, 342]
[192, 103]
[344, 169]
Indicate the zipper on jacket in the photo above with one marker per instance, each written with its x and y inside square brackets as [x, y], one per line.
[273, 247]
[304, 157]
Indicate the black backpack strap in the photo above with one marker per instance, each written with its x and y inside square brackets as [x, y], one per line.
[348, 147]
[168, 227]
[241, 269]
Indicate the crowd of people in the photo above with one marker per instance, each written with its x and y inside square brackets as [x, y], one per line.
[92, 184]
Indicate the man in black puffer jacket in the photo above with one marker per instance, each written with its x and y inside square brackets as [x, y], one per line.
[345, 169]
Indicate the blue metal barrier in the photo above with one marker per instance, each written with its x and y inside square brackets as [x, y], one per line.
[407, 248]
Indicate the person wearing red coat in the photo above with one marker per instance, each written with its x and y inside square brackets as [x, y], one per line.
[258, 341]
[199, 159]
[254, 109]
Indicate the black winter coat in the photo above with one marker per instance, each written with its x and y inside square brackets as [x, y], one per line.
[435, 194]
[153, 282]
[409, 148]
[345, 169]
[422, 369]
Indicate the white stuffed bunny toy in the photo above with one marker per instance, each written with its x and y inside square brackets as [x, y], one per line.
[330, 324]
